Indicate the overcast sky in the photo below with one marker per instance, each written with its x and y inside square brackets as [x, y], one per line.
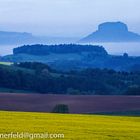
[66, 17]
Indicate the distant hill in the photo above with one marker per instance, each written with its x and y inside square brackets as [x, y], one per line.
[16, 37]
[112, 32]
[59, 49]
[72, 56]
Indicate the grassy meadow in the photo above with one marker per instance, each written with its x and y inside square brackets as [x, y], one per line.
[74, 127]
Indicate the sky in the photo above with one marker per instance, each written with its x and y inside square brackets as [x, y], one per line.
[66, 18]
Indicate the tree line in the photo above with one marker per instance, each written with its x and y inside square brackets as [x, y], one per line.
[39, 49]
[40, 78]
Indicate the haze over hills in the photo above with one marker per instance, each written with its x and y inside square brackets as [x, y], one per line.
[7, 38]
[107, 32]
[14, 38]
[112, 32]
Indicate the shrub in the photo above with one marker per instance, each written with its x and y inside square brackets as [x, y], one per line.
[61, 108]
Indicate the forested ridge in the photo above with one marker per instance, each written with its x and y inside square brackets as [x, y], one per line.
[39, 49]
[72, 57]
[40, 78]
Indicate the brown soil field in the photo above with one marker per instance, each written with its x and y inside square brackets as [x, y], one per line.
[76, 103]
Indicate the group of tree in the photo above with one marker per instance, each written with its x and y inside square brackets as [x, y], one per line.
[40, 78]
[39, 49]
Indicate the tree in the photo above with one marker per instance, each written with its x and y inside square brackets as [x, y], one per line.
[61, 108]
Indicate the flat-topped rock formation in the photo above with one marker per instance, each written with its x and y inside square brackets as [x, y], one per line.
[112, 32]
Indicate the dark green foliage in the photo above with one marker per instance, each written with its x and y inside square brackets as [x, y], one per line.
[40, 78]
[33, 65]
[135, 68]
[62, 48]
[66, 57]
[38, 67]
[61, 108]
[133, 90]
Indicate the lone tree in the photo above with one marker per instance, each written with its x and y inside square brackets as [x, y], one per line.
[61, 108]
[125, 55]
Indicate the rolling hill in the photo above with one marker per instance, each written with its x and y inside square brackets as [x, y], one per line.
[67, 57]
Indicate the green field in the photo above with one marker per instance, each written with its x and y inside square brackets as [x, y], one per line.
[6, 63]
[74, 127]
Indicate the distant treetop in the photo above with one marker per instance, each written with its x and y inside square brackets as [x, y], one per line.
[39, 49]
